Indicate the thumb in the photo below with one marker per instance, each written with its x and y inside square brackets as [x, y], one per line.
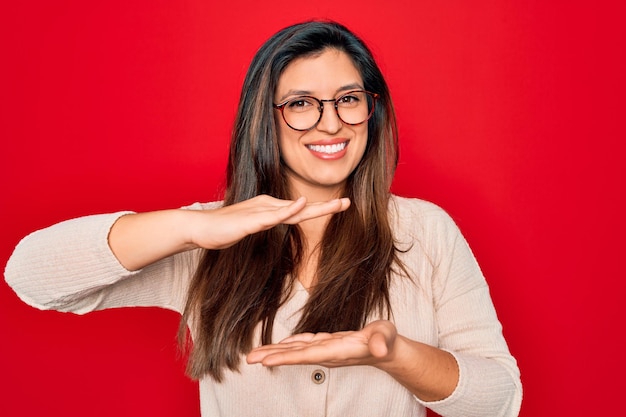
[382, 338]
[378, 345]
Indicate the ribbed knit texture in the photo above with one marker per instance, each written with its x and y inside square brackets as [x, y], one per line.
[70, 267]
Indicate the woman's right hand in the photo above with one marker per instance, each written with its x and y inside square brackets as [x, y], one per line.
[138, 240]
[223, 227]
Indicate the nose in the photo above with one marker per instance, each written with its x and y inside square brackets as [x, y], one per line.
[330, 121]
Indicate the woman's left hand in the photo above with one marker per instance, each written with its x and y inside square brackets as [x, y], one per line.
[427, 371]
[369, 346]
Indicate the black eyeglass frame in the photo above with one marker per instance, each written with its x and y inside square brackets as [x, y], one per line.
[282, 105]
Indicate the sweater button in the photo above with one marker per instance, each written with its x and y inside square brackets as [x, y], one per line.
[318, 376]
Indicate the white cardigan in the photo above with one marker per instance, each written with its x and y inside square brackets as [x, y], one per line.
[70, 267]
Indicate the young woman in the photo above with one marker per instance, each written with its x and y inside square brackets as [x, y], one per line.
[310, 290]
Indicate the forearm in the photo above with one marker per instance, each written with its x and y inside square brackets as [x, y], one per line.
[138, 240]
[53, 267]
[431, 374]
[487, 387]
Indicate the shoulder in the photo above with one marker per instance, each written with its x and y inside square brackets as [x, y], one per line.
[416, 219]
[414, 210]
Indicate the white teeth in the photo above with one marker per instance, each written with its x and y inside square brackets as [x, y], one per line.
[328, 149]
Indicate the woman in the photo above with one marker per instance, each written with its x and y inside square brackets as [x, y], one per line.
[310, 290]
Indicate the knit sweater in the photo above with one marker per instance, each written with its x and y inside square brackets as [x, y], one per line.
[445, 303]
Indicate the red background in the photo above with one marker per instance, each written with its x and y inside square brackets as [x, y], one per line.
[511, 117]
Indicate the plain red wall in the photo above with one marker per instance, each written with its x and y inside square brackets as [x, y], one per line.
[511, 117]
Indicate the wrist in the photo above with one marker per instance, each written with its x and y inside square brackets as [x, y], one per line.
[188, 224]
[402, 358]
[428, 372]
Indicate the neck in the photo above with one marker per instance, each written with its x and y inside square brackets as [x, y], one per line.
[312, 233]
[315, 193]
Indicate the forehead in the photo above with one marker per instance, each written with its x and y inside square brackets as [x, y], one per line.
[324, 73]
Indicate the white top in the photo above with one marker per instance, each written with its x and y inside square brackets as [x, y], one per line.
[70, 267]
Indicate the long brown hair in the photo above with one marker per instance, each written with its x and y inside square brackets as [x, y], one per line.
[237, 288]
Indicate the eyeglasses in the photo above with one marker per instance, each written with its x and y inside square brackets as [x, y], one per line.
[305, 112]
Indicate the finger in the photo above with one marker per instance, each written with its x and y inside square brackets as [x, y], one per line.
[378, 345]
[264, 212]
[280, 211]
[301, 337]
[268, 212]
[258, 354]
[281, 346]
[381, 335]
[298, 356]
[291, 343]
[309, 337]
[313, 210]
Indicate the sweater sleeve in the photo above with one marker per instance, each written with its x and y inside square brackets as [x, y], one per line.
[468, 327]
[70, 267]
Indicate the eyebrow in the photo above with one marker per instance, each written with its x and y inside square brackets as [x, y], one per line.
[347, 87]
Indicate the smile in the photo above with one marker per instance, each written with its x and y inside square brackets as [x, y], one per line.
[328, 149]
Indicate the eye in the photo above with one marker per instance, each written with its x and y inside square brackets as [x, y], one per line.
[349, 100]
[300, 104]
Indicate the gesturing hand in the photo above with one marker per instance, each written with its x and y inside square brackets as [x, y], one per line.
[228, 225]
[369, 346]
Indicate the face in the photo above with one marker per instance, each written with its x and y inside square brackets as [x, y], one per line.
[320, 160]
